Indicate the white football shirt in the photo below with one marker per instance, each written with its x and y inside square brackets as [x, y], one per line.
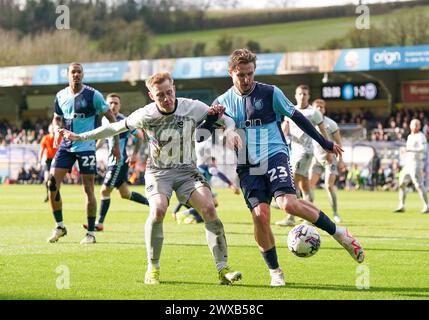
[301, 142]
[331, 127]
[171, 136]
[416, 149]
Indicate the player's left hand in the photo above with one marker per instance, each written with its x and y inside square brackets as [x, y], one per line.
[67, 134]
[337, 150]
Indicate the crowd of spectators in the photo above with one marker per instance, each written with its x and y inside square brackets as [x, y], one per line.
[385, 177]
[27, 133]
[392, 128]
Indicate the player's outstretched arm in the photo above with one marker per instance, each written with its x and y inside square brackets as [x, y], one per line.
[102, 132]
[305, 125]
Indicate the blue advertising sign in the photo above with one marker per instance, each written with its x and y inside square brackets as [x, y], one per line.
[45, 74]
[188, 68]
[412, 57]
[214, 67]
[353, 60]
[98, 72]
[268, 63]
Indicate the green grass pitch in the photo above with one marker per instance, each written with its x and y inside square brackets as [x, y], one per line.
[397, 252]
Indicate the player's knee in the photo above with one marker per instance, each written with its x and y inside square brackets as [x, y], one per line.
[291, 206]
[52, 183]
[330, 188]
[158, 213]
[262, 214]
[208, 210]
[88, 189]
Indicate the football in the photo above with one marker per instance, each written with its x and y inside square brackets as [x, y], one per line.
[303, 240]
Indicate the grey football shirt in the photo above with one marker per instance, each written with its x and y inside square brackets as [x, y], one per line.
[171, 136]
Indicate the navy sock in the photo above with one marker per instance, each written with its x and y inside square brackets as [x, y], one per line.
[91, 224]
[270, 258]
[58, 215]
[137, 197]
[325, 223]
[196, 215]
[104, 207]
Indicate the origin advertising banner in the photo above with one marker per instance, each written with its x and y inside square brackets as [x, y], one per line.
[412, 57]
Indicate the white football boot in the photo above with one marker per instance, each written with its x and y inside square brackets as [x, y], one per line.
[345, 238]
[57, 233]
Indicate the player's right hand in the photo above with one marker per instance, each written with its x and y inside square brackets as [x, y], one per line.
[69, 135]
[57, 138]
[216, 109]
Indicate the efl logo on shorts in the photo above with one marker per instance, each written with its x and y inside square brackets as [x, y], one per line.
[150, 188]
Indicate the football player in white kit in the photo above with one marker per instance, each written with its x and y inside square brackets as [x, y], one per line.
[302, 147]
[325, 163]
[413, 170]
[170, 124]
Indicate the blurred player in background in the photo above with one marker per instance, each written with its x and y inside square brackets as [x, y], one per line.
[117, 171]
[413, 169]
[47, 153]
[320, 164]
[77, 108]
[302, 147]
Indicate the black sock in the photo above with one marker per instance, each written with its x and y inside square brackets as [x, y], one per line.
[196, 215]
[137, 197]
[270, 258]
[58, 215]
[325, 223]
[104, 207]
[91, 224]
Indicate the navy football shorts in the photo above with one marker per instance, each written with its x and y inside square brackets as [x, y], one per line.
[86, 159]
[116, 176]
[276, 180]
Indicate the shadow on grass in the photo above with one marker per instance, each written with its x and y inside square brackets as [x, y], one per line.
[407, 291]
[254, 246]
[423, 296]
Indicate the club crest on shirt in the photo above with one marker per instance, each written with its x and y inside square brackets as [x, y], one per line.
[258, 104]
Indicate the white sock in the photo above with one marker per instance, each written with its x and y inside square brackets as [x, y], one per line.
[60, 224]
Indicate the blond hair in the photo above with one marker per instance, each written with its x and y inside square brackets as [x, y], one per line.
[241, 56]
[158, 78]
